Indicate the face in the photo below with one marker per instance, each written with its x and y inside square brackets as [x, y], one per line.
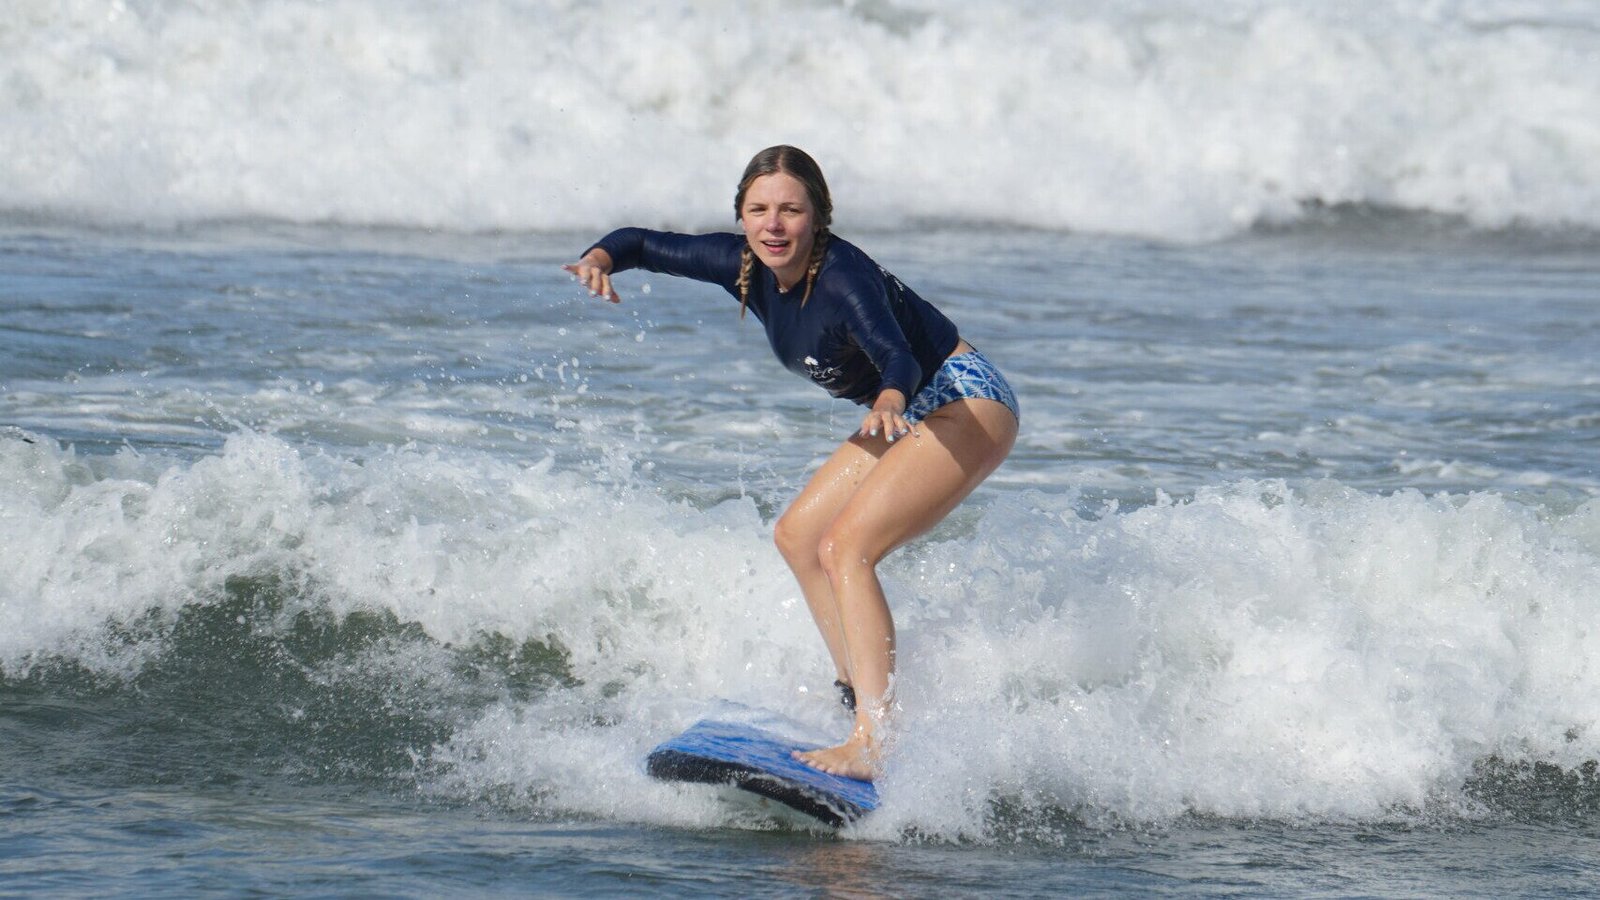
[779, 222]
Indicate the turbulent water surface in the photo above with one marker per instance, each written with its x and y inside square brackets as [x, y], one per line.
[346, 538]
[350, 548]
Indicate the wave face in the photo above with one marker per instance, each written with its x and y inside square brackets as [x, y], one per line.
[477, 629]
[1167, 118]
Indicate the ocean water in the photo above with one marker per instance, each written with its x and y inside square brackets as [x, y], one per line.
[349, 548]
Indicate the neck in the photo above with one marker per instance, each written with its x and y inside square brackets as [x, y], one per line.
[786, 280]
[795, 271]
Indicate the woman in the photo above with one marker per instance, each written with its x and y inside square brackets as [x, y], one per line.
[832, 315]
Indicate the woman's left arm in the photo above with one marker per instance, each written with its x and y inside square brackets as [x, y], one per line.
[888, 414]
[879, 336]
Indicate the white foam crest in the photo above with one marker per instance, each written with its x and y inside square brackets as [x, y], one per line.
[462, 545]
[1165, 117]
[95, 540]
[1255, 651]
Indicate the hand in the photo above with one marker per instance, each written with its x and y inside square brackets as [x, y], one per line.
[888, 415]
[594, 273]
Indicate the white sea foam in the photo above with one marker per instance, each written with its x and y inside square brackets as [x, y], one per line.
[1253, 651]
[1163, 117]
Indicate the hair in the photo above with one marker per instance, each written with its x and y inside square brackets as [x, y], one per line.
[796, 163]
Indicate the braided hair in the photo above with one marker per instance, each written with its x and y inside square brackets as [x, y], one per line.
[794, 162]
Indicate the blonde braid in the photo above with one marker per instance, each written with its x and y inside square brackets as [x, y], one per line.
[747, 262]
[819, 247]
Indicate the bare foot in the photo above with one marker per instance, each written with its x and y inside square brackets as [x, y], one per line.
[855, 758]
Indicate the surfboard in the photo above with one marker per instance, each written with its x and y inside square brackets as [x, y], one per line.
[756, 760]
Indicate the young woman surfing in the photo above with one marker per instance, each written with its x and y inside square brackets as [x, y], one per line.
[940, 416]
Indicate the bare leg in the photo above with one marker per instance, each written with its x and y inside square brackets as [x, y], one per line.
[915, 484]
[799, 532]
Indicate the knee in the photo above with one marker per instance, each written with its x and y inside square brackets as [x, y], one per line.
[838, 551]
[795, 543]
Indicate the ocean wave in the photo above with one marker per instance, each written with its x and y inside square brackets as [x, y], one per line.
[1165, 118]
[482, 629]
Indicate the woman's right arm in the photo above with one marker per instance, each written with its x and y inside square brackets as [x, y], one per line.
[704, 257]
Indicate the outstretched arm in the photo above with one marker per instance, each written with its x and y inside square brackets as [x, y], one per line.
[703, 257]
[593, 271]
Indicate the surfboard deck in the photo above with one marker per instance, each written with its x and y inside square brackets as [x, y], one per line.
[756, 760]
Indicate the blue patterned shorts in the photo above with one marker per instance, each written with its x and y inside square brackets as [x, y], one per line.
[963, 377]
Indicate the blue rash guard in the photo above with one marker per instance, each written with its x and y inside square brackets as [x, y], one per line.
[862, 331]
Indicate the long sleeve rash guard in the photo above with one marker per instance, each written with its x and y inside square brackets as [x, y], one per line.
[862, 330]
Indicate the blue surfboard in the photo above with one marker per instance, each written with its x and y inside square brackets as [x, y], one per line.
[759, 761]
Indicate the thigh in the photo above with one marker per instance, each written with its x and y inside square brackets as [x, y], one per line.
[829, 489]
[920, 480]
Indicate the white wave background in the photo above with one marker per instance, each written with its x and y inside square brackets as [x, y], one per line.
[1170, 118]
[1255, 651]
